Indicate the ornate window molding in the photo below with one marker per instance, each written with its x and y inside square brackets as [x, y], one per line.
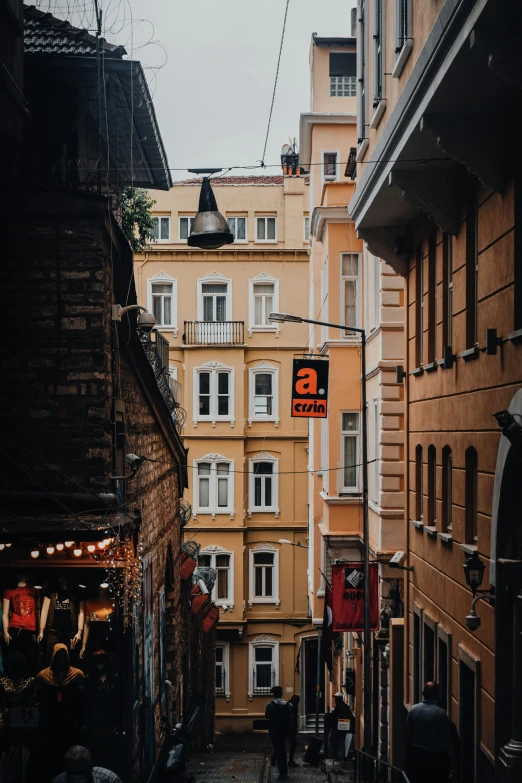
[264, 599]
[214, 459]
[268, 642]
[213, 369]
[268, 327]
[163, 277]
[256, 369]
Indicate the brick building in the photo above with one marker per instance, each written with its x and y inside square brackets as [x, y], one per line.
[439, 201]
[83, 390]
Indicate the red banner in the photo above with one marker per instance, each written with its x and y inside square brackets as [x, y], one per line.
[348, 597]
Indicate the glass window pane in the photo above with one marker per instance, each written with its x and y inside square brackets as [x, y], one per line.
[222, 584]
[264, 675]
[223, 468]
[264, 288]
[266, 468]
[350, 460]
[350, 264]
[257, 494]
[214, 288]
[223, 382]
[204, 469]
[221, 308]
[204, 382]
[264, 654]
[232, 226]
[165, 227]
[222, 406]
[204, 492]
[208, 308]
[261, 406]
[269, 306]
[260, 228]
[258, 310]
[258, 576]
[270, 228]
[183, 228]
[156, 309]
[268, 491]
[222, 561]
[222, 492]
[350, 421]
[167, 310]
[219, 654]
[204, 561]
[350, 303]
[219, 675]
[155, 227]
[268, 582]
[263, 558]
[204, 405]
[241, 228]
[263, 383]
[161, 288]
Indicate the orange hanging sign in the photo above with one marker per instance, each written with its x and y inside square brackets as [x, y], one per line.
[310, 389]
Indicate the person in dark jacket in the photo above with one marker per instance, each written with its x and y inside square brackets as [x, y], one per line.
[431, 740]
[341, 712]
[293, 703]
[278, 714]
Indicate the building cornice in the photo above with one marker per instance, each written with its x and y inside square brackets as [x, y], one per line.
[323, 215]
[184, 253]
[307, 122]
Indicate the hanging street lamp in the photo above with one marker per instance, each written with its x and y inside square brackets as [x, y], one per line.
[209, 229]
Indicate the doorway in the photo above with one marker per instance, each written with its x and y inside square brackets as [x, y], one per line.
[309, 683]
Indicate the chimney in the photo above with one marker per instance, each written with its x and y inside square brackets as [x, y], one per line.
[354, 22]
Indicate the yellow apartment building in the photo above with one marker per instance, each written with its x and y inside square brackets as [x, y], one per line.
[350, 286]
[248, 458]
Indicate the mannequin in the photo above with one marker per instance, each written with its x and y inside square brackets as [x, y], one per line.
[62, 617]
[19, 619]
[60, 692]
[99, 616]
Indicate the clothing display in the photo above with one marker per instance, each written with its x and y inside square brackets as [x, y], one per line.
[61, 620]
[99, 619]
[22, 606]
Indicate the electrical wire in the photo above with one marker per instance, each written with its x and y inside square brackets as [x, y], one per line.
[275, 84]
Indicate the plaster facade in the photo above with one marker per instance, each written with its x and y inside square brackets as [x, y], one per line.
[235, 371]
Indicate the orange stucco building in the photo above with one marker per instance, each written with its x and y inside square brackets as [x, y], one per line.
[439, 200]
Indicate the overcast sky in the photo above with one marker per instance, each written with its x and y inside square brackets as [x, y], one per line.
[212, 97]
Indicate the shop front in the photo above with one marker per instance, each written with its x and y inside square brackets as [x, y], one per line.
[68, 666]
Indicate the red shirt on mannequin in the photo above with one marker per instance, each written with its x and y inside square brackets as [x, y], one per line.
[22, 604]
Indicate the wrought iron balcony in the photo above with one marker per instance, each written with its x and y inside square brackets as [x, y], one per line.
[214, 332]
[157, 349]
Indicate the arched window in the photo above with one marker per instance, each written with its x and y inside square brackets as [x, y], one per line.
[263, 484]
[471, 463]
[214, 485]
[263, 393]
[447, 489]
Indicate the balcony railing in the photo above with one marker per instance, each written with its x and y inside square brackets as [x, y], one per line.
[157, 349]
[214, 333]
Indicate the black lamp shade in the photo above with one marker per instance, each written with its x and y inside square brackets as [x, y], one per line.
[474, 572]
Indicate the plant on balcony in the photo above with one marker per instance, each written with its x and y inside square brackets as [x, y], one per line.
[137, 220]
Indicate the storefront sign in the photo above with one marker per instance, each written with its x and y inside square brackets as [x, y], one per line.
[310, 389]
[348, 597]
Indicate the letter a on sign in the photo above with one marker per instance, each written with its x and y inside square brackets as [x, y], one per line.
[310, 389]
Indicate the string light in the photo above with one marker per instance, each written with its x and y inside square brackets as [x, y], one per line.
[8, 545]
[2, 547]
[50, 550]
[35, 553]
[123, 574]
[69, 544]
[77, 552]
[91, 548]
[59, 547]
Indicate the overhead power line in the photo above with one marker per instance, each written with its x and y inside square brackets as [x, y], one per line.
[275, 84]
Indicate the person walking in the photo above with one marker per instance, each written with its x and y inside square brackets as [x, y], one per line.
[278, 714]
[293, 703]
[431, 748]
[341, 712]
[79, 769]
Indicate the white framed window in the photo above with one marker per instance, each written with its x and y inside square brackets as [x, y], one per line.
[350, 451]
[223, 670]
[213, 393]
[263, 393]
[263, 664]
[161, 228]
[214, 485]
[306, 228]
[238, 228]
[263, 484]
[223, 561]
[403, 34]
[375, 455]
[266, 229]
[162, 301]
[214, 298]
[264, 575]
[185, 226]
[263, 300]
[378, 104]
[350, 290]
[331, 165]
